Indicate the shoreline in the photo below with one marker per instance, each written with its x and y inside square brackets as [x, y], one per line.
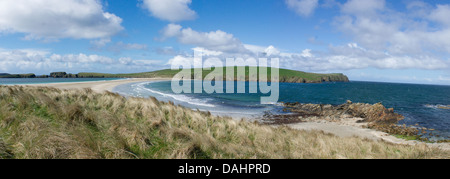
[350, 128]
[345, 128]
[97, 86]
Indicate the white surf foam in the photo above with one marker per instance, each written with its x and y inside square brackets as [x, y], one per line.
[140, 87]
[438, 106]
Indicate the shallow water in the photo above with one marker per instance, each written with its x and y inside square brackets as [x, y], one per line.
[420, 104]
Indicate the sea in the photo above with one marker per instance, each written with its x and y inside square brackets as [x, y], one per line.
[423, 105]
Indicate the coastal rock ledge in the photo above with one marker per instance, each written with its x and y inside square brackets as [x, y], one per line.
[375, 116]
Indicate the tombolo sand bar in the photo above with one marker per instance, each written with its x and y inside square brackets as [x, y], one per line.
[97, 86]
[342, 129]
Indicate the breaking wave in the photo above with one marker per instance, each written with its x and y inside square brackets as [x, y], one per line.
[438, 106]
[140, 87]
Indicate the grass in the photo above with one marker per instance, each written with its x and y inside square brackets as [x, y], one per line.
[285, 75]
[47, 123]
[407, 137]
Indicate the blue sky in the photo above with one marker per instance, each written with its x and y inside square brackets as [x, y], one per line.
[368, 40]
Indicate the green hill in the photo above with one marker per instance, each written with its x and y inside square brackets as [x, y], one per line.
[289, 76]
[6, 75]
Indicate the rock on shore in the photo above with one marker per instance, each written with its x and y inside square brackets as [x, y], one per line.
[376, 116]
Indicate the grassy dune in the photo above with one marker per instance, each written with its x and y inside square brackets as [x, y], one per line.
[50, 123]
[290, 76]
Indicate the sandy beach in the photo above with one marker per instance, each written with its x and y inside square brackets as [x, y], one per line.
[350, 128]
[97, 86]
[345, 128]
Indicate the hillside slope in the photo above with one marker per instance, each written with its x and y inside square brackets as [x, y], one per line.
[288, 76]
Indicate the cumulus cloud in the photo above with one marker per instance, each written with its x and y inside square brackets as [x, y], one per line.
[55, 19]
[170, 10]
[337, 58]
[373, 25]
[382, 38]
[441, 14]
[42, 61]
[303, 7]
[352, 56]
[215, 40]
[344, 57]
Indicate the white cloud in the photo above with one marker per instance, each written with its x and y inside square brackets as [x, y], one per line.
[171, 30]
[446, 79]
[207, 52]
[119, 46]
[171, 10]
[363, 7]
[42, 61]
[307, 53]
[382, 39]
[55, 19]
[130, 62]
[303, 7]
[180, 59]
[441, 14]
[352, 56]
[271, 51]
[100, 43]
[215, 40]
[375, 26]
[336, 58]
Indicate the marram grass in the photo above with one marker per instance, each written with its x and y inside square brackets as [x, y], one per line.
[47, 123]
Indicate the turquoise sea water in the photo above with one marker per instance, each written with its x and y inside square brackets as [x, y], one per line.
[418, 103]
[20, 81]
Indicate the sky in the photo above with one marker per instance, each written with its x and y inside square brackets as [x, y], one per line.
[404, 41]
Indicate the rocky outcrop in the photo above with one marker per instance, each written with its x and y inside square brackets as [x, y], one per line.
[63, 75]
[319, 79]
[369, 113]
[375, 116]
